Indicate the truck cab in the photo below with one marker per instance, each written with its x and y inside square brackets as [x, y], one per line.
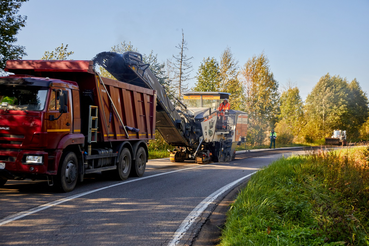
[36, 115]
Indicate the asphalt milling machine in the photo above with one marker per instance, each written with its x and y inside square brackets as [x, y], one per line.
[194, 126]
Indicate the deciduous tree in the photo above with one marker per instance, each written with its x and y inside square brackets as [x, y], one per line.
[291, 115]
[357, 109]
[326, 107]
[123, 47]
[60, 53]
[10, 24]
[261, 97]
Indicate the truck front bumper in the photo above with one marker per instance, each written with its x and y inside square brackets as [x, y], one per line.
[24, 163]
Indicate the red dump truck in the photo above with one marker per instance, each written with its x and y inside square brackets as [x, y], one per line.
[59, 120]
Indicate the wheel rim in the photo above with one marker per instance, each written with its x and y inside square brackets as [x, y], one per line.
[140, 161]
[70, 172]
[125, 166]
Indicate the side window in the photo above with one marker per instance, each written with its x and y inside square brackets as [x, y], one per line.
[54, 104]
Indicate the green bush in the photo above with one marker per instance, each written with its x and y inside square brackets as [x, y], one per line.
[158, 148]
[284, 138]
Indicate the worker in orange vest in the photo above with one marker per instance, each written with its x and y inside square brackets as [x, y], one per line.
[223, 108]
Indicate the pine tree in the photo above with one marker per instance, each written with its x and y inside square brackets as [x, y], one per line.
[229, 81]
[208, 76]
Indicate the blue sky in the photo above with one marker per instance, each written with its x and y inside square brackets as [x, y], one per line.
[303, 40]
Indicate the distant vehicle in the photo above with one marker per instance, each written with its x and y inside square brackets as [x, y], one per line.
[338, 138]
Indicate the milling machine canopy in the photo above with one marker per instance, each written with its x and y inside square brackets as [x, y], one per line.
[204, 99]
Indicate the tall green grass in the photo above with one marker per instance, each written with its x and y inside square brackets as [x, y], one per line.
[318, 199]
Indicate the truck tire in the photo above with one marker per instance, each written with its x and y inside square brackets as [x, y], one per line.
[124, 165]
[138, 169]
[216, 152]
[2, 181]
[68, 172]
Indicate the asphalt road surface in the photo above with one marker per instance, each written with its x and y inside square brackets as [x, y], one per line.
[167, 206]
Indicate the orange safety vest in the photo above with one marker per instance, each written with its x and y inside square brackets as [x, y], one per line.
[223, 107]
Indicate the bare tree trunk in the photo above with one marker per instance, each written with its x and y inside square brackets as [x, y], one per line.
[180, 68]
[183, 65]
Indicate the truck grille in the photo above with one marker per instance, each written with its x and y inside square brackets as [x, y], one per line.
[14, 139]
[8, 158]
[9, 142]
[11, 136]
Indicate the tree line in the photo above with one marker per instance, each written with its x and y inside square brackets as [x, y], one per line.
[334, 102]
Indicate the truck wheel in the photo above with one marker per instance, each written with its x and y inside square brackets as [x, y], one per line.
[124, 165]
[68, 172]
[138, 169]
[2, 181]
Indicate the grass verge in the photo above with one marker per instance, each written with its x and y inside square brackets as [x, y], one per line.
[248, 147]
[318, 199]
[156, 154]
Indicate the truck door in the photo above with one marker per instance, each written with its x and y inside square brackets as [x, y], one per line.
[58, 124]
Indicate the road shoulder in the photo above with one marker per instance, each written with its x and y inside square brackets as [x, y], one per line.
[211, 230]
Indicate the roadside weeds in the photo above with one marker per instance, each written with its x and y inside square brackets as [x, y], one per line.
[318, 199]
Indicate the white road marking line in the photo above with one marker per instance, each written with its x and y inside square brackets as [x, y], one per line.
[196, 212]
[20, 215]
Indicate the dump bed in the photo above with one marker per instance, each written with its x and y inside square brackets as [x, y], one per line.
[125, 111]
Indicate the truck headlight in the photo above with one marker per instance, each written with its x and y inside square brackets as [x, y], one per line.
[34, 159]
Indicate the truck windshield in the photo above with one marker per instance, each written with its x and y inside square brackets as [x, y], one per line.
[22, 98]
